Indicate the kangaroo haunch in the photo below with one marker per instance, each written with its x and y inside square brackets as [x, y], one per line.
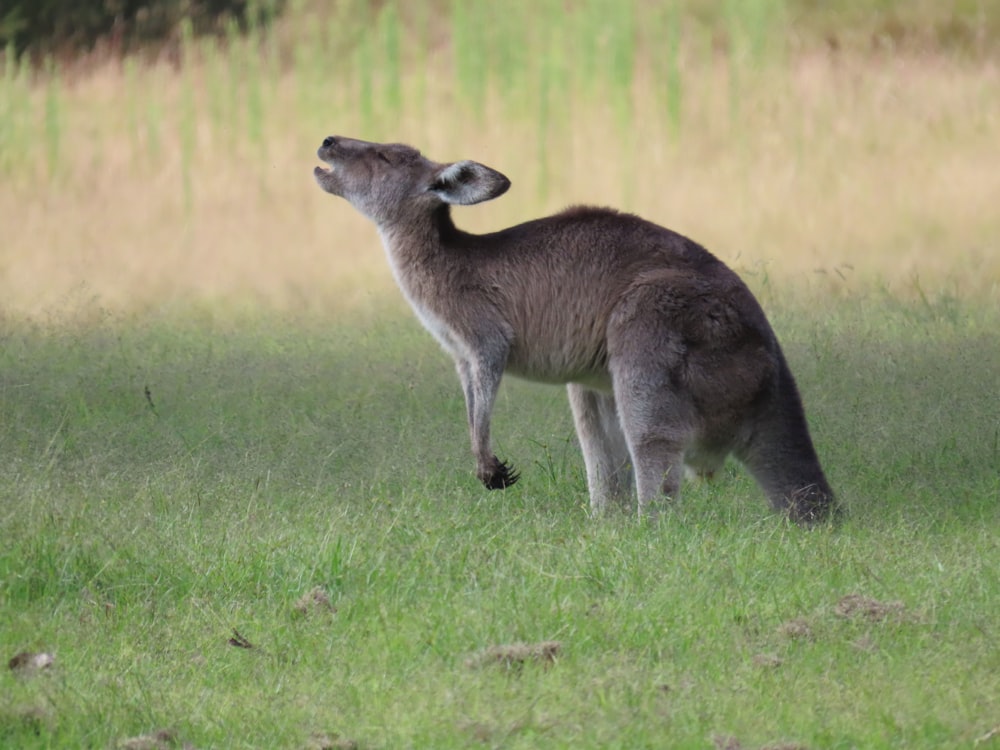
[669, 359]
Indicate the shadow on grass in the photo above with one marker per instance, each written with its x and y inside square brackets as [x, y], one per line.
[904, 406]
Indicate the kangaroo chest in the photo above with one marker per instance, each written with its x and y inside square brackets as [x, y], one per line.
[446, 334]
[419, 293]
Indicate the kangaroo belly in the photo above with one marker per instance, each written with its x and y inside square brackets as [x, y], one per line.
[565, 358]
[558, 337]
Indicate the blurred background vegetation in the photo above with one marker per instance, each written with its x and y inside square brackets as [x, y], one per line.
[150, 150]
[70, 27]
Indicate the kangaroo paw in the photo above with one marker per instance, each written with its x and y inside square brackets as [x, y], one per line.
[502, 476]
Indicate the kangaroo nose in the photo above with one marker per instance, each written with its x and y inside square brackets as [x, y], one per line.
[329, 141]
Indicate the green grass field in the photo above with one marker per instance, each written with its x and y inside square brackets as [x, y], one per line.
[237, 502]
[274, 456]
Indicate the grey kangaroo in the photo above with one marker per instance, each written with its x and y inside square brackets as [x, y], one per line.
[669, 359]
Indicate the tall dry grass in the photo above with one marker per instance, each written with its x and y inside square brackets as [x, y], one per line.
[137, 185]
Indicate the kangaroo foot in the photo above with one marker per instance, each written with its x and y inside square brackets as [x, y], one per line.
[499, 476]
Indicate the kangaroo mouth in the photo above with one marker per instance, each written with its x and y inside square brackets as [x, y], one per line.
[326, 177]
[326, 173]
[324, 155]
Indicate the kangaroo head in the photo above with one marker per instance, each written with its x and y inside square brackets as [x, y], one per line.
[390, 182]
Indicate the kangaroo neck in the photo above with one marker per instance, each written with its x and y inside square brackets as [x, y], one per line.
[444, 226]
[420, 239]
[418, 249]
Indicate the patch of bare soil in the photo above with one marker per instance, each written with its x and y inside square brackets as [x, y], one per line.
[865, 643]
[489, 734]
[858, 606]
[798, 629]
[767, 661]
[726, 742]
[163, 739]
[323, 741]
[27, 663]
[315, 601]
[516, 655]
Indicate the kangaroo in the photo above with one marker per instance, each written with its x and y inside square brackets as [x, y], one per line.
[668, 358]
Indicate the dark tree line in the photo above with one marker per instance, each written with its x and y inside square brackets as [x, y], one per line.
[66, 27]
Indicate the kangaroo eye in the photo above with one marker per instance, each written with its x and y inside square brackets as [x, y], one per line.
[381, 155]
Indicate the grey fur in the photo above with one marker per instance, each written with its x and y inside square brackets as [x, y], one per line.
[668, 357]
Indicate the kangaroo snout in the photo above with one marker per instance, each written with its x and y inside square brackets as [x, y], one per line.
[668, 358]
[326, 150]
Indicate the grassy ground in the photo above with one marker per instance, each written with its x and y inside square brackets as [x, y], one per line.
[276, 457]
[221, 429]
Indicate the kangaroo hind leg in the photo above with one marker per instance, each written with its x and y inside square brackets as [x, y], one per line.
[657, 429]
[605, 452]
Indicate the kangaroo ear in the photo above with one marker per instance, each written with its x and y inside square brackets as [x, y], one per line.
[466, 182]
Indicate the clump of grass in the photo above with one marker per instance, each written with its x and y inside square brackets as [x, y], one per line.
[670, 70]
[188, 135]
[867, 608]
[390, 34]
[314, 601]
[470, 48]
[15, 113]
[53, 119]
[514, 656]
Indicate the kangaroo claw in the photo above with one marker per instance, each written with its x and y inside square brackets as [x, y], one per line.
[502, 477]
